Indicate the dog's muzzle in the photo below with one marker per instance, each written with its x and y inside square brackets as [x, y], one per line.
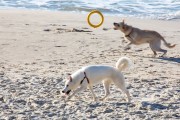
[115, 26]
[67, 93]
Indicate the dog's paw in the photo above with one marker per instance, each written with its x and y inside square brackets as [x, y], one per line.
[163, 56]
[127, 48]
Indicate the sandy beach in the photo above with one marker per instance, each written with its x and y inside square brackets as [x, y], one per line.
[39, 48]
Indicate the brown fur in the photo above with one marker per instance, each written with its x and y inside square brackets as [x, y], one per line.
[137, 36]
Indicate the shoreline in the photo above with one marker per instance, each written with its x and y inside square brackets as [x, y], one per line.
[86, 13]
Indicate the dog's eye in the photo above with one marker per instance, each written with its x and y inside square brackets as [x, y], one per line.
[67, 85]
[118, 25]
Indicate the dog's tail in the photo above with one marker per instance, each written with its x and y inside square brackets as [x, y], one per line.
[168, 44]
[123, 63]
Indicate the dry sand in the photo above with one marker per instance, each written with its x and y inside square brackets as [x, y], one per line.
[38, 49]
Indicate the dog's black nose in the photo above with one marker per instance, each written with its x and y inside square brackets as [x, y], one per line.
[114, 23]
[62, 91]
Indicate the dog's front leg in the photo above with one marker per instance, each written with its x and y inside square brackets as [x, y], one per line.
[76, 91]
[94, 96]
[106, 88]
[127, 47]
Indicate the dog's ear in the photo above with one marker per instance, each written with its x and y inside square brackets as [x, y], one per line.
[123, 21]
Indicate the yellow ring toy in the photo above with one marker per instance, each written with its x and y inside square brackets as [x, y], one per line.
[102, 18]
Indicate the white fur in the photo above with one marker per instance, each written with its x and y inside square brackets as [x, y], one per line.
[97, 74]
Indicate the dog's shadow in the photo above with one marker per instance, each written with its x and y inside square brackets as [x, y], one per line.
[171, 59]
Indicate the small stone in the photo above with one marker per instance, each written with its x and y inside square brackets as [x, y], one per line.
[47, 30]
[127, 119]
[25, 77]
[21, 102]
[106, 29]
[12, 118]
[138, 112]
[51, 114]
[108, 110]
[40, 102]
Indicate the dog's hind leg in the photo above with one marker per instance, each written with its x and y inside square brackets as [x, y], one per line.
[164, 52]
[126, 91]
[154, 53]
[156, 46]
[106, 85]
[122, 86]
[94, 96]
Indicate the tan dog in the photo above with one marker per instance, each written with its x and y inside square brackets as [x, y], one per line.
[137, 36]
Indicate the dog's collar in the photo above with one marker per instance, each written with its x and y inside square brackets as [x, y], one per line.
[85, 77]
[128, 35]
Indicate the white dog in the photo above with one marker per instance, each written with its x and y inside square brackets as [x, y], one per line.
[92, 75]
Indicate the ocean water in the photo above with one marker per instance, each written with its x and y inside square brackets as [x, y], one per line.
[153, 9]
